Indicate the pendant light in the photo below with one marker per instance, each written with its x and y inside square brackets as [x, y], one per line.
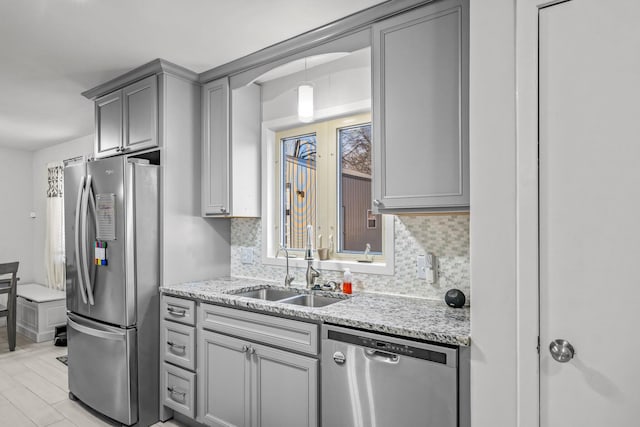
[305, 99]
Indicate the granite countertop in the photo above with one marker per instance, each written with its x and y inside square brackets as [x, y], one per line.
[404, 316]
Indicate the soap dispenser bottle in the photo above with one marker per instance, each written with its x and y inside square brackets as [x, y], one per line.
[346, 282]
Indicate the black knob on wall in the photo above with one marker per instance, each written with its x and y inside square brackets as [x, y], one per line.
[454, 298]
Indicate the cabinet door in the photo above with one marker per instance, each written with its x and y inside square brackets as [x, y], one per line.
[421, 159]
[140, 114]
[108, 124]
[223, 380]
[285, 388]
[215, 148]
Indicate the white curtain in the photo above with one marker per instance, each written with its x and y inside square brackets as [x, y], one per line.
[54, 240]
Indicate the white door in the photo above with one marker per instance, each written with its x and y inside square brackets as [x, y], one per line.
[589, 122]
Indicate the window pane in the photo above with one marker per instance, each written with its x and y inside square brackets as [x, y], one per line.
[298, 192]
[358, 226]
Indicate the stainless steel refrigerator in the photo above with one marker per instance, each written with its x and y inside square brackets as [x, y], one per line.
[112, 277]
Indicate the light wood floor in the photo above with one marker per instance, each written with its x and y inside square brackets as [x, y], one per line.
[33, 388]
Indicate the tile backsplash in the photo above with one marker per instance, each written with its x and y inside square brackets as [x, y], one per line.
[445, 235]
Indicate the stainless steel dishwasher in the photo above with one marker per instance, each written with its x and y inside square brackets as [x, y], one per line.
[371, 380]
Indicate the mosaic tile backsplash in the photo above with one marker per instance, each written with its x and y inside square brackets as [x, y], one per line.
[447, 236]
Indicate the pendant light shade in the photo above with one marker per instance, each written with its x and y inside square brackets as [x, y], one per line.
[305, 98]
[305, 102]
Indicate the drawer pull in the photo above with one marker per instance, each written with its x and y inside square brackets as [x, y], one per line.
[175, 346]
[177, 312]
[173, 391]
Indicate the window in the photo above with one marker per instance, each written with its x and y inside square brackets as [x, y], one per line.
[324, 180]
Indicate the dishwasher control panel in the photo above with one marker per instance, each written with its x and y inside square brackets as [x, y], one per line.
[389, 346]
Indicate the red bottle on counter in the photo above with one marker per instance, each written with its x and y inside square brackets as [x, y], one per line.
[346, 282]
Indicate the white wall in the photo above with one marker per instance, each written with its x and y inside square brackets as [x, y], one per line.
[38, 195]
[16, 227]
[493, 214]
[341, 82]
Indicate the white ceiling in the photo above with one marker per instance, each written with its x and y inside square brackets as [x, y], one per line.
[52, 50]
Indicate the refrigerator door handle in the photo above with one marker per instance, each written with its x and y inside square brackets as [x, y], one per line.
[77, 240]
[88, 194]
[113, 336]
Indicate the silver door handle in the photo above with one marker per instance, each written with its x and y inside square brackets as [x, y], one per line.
[339, 357]
[177, 312]
[177, 346]
[113, 336]
[78, 246]
[85, 263]
[389, 357]
[561, 350]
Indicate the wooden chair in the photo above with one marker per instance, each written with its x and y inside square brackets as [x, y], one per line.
[8, 286]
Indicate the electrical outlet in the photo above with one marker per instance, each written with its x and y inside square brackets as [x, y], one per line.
[246, 255]
[421, 267]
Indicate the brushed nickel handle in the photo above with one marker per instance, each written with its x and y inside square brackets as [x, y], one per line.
[177, 312]
[177, 346]
[377, 202]
[173, 391]
[561, 350]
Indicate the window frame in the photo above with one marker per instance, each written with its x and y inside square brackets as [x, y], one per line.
[271, 206]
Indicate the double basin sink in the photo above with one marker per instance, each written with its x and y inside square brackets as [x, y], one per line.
[289, 296]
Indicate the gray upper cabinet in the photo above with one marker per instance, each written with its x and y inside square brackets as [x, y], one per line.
[231, 132]
[140, 113]
[127, 119]
[108, 124]
[215, 148]
[420, 104]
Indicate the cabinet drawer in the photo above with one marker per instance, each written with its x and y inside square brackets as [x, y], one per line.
[285, 333]
[179, 343]
[178, 390]
[179, 310]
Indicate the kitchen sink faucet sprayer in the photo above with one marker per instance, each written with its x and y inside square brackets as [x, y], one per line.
[312, 273]
[288, 278]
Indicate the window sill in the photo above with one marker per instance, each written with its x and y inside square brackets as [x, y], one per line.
[382, 268]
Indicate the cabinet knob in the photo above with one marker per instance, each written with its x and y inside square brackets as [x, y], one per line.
[245, 348]
[377, 202]
[252, 350]
[223, 210]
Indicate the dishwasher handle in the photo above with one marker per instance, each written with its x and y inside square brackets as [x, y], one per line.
[383, 356]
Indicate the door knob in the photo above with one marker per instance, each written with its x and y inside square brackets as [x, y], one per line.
[561, 350]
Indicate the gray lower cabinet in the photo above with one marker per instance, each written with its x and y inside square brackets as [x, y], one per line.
[127, 119]
[178, 357]
[248, 384]
[420, 109]
[244, 380]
